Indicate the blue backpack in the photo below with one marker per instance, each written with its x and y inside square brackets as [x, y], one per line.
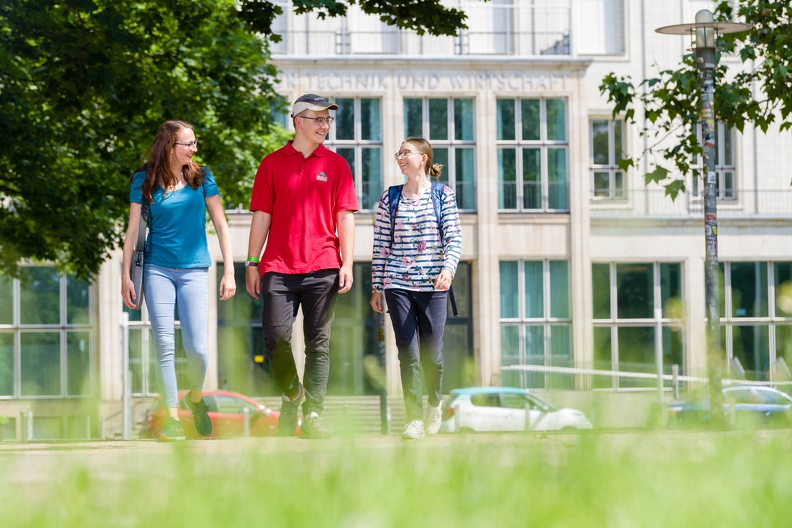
[394, 194]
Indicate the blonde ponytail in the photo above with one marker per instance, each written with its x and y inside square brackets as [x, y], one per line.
[435, 170]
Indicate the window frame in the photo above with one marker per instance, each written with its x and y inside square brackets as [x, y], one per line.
[614, 192]
[546, 322]
[543, 145]
[62, 329]
[358, 145]
[614, 322]
[451, 144]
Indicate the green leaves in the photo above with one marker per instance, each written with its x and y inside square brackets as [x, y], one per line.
[757, 94]
[85, 86]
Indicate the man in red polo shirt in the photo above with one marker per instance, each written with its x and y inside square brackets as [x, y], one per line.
[303, 203]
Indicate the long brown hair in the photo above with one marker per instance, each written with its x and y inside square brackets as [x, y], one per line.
[433, 170]
[158, 167]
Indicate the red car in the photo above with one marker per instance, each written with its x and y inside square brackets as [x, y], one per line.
[226, 410]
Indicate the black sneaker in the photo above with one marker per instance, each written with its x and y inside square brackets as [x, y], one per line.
[201, 421]
[287, 421]
[171, 432]
[313, 428]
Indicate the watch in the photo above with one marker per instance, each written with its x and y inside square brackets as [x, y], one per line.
[251, 264]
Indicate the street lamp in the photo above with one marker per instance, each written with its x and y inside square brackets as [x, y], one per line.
[705, 30]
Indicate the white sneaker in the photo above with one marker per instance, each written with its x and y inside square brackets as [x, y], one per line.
[413, 429]
[433, 418]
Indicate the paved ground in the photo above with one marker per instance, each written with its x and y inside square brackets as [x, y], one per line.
[32, 462]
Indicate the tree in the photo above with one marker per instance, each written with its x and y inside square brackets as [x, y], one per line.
[671, 101]
[84, 84]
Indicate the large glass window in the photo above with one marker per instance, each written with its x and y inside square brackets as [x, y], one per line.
[450, 127]
[535, 318]
[46, 347]
[533, 145]
[606, 147]
[242, 363]
[356, 134]
[756, 329]
[625, 302]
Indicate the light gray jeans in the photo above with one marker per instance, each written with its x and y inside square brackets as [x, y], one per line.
[185, 289]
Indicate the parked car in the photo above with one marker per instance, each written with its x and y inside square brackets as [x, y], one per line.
[226, 410]
[506, 409]
[750, 405]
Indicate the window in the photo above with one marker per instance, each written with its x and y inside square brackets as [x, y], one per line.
[607, 148]
[607, 16]
[724, 163]
[624, 301]
[242, 365]
[46, 329]
[532, 155]
[449, 125]
[354, 344]
[356, 134]
[535, 319]
[756, 329]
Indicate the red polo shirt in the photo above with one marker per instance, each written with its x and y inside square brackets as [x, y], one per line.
[304, 196]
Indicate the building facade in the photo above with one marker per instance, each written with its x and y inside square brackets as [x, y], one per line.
[568, 261]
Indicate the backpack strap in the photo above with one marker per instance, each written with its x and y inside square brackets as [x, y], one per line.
[394, 195]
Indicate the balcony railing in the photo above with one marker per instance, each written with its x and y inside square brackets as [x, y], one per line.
[395, 42]
[493, 29]
[654, 203]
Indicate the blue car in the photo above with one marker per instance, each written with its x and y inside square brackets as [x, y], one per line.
[743, 405]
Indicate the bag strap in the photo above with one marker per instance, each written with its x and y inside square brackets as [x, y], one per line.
[394, 195]
[141, 241]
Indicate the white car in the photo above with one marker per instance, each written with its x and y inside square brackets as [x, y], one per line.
[506, 409]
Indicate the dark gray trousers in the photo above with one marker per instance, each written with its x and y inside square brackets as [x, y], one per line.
[282, 295]
[419, 322]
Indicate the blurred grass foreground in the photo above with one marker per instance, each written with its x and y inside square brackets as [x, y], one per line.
[587, 480]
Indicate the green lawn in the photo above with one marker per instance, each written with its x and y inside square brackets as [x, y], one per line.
[591, 480]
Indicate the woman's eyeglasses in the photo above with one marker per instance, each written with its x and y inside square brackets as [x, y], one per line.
[403, 154]
[191, 144]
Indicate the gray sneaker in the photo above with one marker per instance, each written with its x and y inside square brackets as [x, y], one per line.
[433, 418]
[200, 416]
[287, 421]
[313, 428]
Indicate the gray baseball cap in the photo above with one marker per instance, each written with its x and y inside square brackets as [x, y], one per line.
[312, 102]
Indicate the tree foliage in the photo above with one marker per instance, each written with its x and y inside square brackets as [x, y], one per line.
[758, 95]
[84, 85]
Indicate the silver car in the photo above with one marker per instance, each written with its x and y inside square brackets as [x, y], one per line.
[506, 409]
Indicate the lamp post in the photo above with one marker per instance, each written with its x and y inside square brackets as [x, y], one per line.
[704, 30]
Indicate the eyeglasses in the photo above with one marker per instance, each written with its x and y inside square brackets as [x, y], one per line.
[403, 154]
[321, 121]
[191, 144]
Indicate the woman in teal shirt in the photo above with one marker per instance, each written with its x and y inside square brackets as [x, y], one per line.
[177, 261]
